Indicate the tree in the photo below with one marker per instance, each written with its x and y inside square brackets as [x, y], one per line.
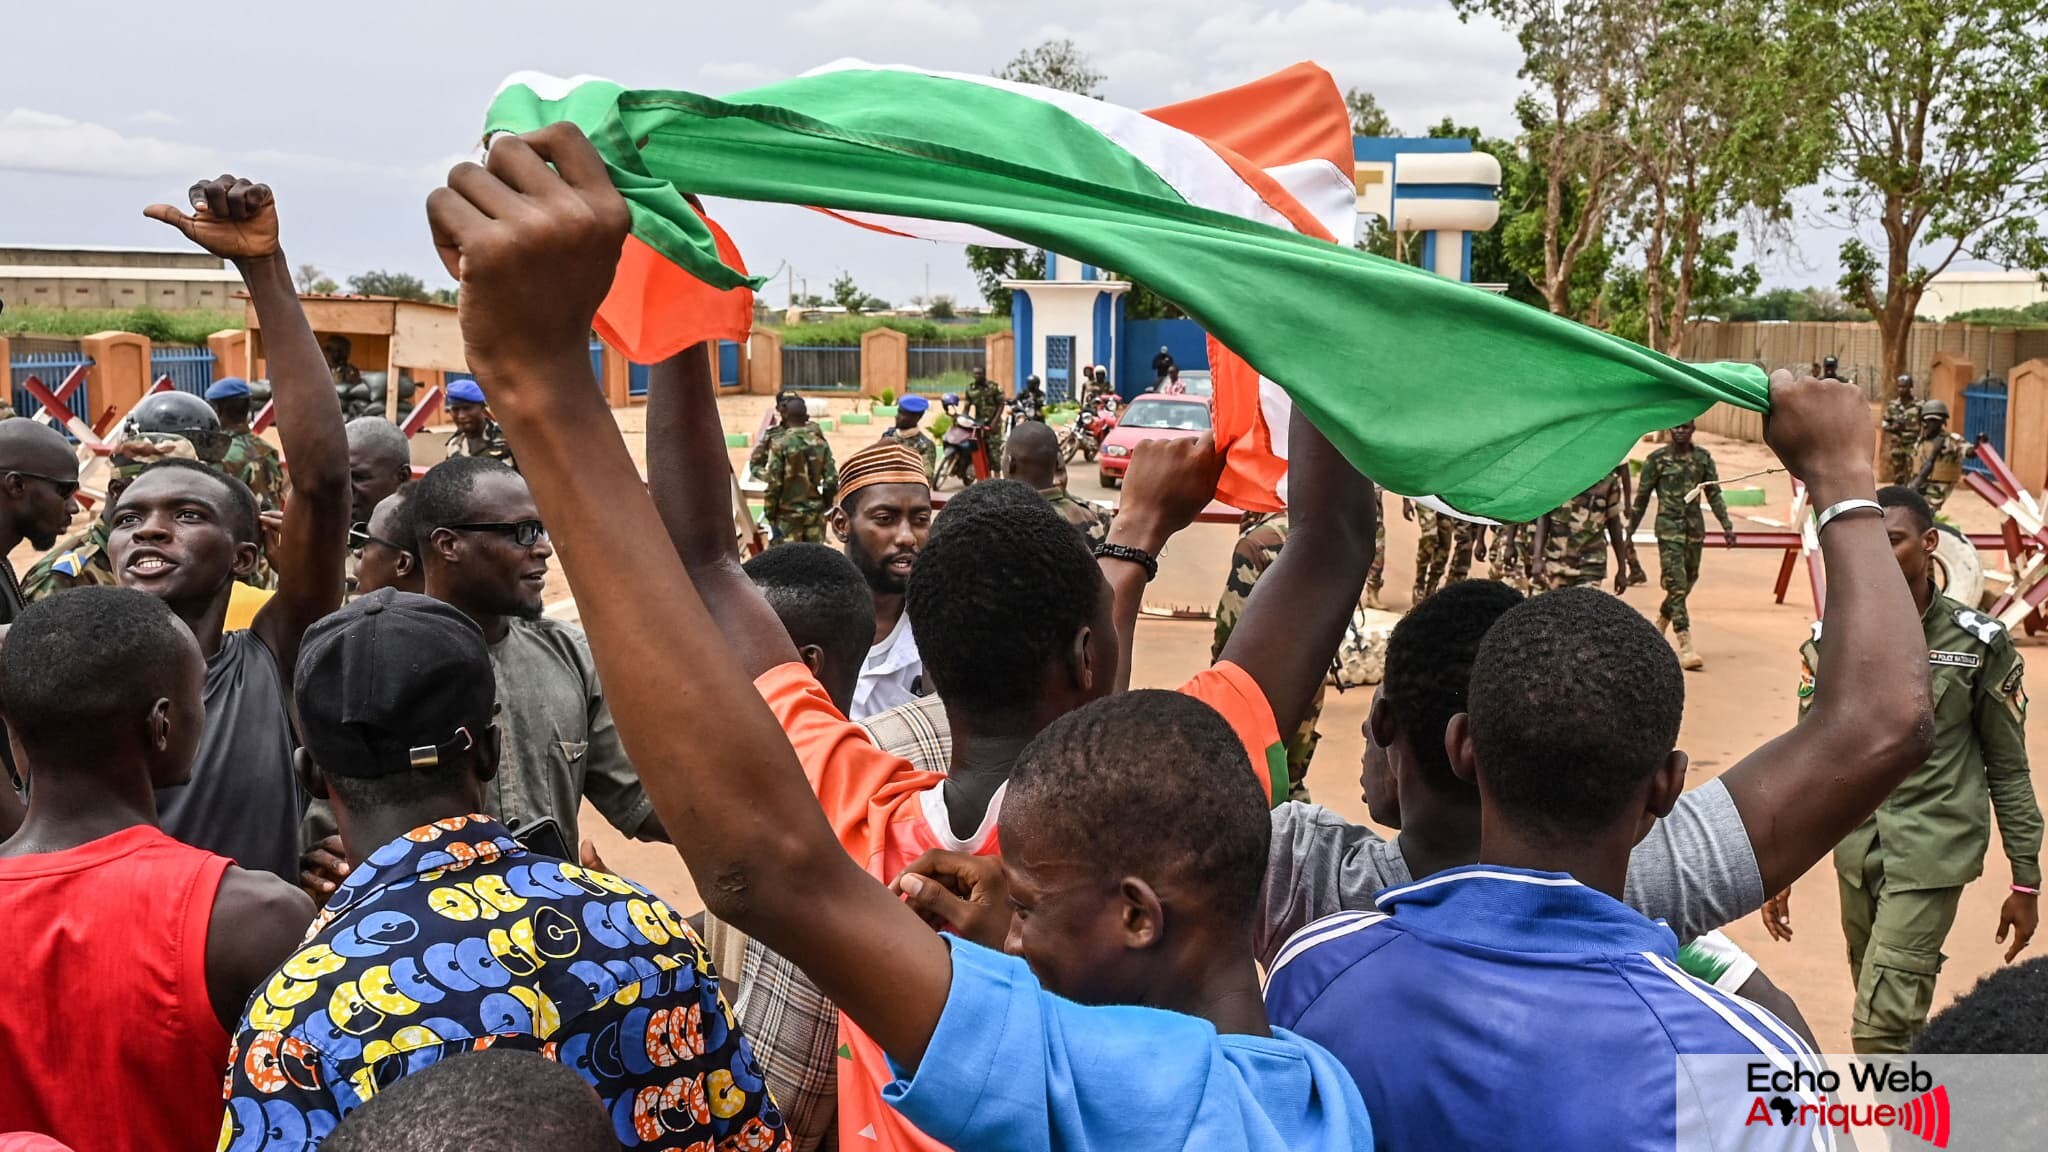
[1055, 64]
[1728, 114]
[403, 285]
[847, 294]
[310, 279]
[1367, 117]
[1629, 306]
[1944, 144]
[1577, 54]
[940, 307]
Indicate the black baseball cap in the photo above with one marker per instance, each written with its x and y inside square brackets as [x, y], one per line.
[393, 682]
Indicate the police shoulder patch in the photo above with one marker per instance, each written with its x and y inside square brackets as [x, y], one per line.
[1979, 625]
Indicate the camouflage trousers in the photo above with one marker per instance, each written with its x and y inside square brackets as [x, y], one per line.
[992, 439]
[807, 529]
[1678, 564]
[1512, 544]
[1936, 492]
[1301, 748]
[1898, 464]
[1443, 552]
[1375, 579]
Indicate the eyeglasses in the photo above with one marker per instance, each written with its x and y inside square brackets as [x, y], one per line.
[65, 488]
[359, 536]
[524, 533]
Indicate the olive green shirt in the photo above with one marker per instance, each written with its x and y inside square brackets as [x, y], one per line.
[1935, 827]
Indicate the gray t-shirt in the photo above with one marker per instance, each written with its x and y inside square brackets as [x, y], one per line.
[1695, 870]
[559, 742]
[243, 801]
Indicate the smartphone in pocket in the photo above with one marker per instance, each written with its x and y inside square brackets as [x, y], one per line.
[544, 837]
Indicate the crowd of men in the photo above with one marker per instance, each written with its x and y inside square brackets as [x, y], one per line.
[332, 859]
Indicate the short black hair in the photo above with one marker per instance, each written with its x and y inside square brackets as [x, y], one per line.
[819, 595]
[1149, 783]
[404, 528]
[240, 513]
[500, 1099]
[2006, 1013]
[1575, 702]
[86, 661]
[999, 592]
[1429, 669]
[446, 494]
[1900, 496]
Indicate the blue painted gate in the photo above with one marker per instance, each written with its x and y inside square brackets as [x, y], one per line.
[1984, 414]
[1184, 340]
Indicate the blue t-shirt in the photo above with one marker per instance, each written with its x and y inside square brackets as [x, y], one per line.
[1501, 1007]
[1014, 1067]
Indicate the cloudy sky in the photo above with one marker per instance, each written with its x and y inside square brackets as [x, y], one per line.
[353, 112]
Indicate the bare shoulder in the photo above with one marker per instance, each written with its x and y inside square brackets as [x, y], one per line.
[259, 920]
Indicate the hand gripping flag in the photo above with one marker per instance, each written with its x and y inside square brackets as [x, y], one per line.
[1218, 209]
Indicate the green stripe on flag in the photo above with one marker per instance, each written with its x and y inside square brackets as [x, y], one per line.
[1278, 782]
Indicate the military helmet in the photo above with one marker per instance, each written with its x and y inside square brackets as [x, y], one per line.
[1933, 408]
[178, 414]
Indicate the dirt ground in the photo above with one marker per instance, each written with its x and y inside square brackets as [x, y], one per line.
[1745, 696]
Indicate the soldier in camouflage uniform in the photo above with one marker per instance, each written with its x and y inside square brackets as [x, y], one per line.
[476, 434]
[1901, 433]
[1574, 539]
[1901, 874]
[1376, 576]
[985, 404]
[908, 432]
[1443, 548]
[1258, 545]
[1033, 457]
[1940, 455]
[1513, 555]
[802, 479]
[1672, 473]
[249, 457]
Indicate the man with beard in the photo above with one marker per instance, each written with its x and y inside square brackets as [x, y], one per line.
[484, 550]
[883, 515]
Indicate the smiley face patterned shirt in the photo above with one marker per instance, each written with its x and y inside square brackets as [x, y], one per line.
[454, 938]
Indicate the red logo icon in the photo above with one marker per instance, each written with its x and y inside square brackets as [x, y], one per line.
[1927, 1117]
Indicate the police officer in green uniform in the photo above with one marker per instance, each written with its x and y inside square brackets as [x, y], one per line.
[985, 404]
[161, 426]
[1677, 474]
[476, 434]
[1902, 873]
[1901, 433]
[249, 457]
[910, 433]
[802, 479]
[1258, 545]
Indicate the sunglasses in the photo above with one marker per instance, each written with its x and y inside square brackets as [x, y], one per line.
[524, 533]
[359, 537]
[65, 488]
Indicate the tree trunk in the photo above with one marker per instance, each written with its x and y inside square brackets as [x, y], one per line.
[1653, 262]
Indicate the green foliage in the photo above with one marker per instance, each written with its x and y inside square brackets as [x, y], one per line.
[951, 381]
[1943, 144]
[992, 266]
[402, 285]
[888, 397]
[1626, 307]
[191, 327]
[1057, 64]
[310, 278]
[2031, 316]
[1367, 117]
[940, 308]
[1796, 304]
[846, 331]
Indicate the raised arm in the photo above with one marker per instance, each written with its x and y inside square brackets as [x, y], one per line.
[690, 477]
[535, 248]
[237, 220]
[1294, 620]
[1168, 484]
[1871, 720]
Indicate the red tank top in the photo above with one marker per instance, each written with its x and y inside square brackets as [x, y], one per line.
[108, 1038]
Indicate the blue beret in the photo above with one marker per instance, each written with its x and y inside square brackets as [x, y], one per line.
[914, 404]
[227, 388]
[465, 392]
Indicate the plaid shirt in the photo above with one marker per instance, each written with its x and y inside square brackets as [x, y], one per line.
[793, 1028]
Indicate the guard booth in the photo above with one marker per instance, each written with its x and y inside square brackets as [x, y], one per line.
[390, 340]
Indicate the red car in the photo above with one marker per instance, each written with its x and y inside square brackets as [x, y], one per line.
[1153, 416]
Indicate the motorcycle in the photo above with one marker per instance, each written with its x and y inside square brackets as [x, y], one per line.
[1086, 433]
[963, 456]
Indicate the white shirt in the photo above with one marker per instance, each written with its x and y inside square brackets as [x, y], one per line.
[890, 674]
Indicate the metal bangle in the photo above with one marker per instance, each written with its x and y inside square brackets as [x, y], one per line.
[1828, 514]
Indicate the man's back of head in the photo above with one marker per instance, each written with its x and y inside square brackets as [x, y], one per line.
[2007, 1012]
[1542, 768]
[1033, 452]
[824, 604]
[1000, 600]
[1429, 672]
[491, 1101]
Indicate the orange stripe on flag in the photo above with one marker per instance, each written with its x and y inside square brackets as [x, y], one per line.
[1252, 471]
[655, 309]
[1293, 115]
